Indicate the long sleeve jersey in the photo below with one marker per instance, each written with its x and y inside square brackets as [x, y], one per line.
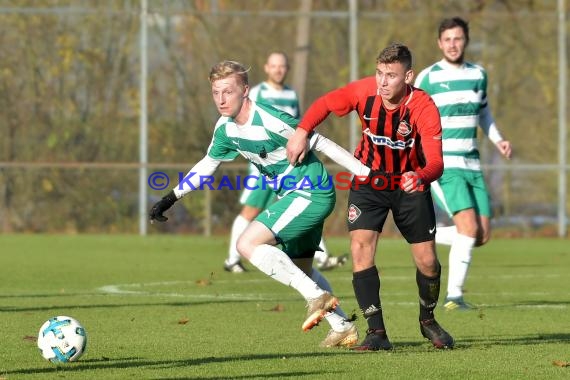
[460, 94]
[262, 141]
[407, 138]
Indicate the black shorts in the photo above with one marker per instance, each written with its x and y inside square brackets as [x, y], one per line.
[413, 213]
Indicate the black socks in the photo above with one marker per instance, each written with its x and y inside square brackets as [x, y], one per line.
[366, 284]
[428, 289]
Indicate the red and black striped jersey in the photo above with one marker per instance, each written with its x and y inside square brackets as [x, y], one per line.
[407, 138]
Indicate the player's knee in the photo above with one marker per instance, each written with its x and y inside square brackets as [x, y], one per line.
[428, 265]
[244, 246]
[362, 256]
[360, 249]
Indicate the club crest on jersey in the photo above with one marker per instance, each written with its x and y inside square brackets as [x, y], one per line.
[353, 213]
[404, 128]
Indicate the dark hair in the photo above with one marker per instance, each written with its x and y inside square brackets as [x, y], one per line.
[396, 52]
[454, 22]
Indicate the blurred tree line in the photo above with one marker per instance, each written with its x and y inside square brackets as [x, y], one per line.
[70, 77]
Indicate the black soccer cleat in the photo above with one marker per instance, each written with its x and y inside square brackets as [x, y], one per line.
[375, 340]
[431, 330]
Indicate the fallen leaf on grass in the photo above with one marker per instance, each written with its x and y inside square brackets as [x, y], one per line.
[560, 363]
[30, 338]
[278, 308]
[203, 282]
[183, 321]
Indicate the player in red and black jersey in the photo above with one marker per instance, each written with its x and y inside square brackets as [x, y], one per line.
[401, 143]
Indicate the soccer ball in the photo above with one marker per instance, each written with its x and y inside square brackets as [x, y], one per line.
[62, 339]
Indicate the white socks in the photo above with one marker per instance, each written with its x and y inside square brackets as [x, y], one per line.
[459, 260]
[337, 319]
[322, 256]
[445, 235]
[239, 225]
[276, 264]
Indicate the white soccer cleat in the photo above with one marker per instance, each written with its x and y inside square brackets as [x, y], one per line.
[234, 268]
[333, 262]
[346, 338]
[317, 308]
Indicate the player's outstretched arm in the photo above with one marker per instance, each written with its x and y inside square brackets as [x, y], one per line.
[205, 167]
[338, 154]
[316, 114]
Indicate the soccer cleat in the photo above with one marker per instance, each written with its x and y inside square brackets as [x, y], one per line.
[333, 262]
[234, 268]
[431, 330]
[317, 308]
[375, 340]
[456, 303]
[346, 338]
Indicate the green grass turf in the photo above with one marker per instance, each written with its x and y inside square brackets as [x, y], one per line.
[132, 293]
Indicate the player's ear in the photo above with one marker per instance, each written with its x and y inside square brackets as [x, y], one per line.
[245, 91]
[409, 78]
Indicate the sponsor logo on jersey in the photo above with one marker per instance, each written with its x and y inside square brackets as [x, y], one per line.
[386, 141]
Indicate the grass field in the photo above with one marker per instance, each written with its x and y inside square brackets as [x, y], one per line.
[160, 307]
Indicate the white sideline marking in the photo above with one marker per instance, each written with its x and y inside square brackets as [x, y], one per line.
[119, 289]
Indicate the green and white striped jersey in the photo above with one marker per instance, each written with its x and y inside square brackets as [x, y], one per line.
[285, 100]
[460, 94]
[262, 140]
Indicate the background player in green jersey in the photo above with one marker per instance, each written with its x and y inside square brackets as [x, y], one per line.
[305, 194]
[256, 198]
[459, 89]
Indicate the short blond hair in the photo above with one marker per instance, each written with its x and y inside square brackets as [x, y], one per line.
[224, 69]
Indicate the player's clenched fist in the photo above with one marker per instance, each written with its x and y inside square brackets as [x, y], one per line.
[411, 182]
[161, 206]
